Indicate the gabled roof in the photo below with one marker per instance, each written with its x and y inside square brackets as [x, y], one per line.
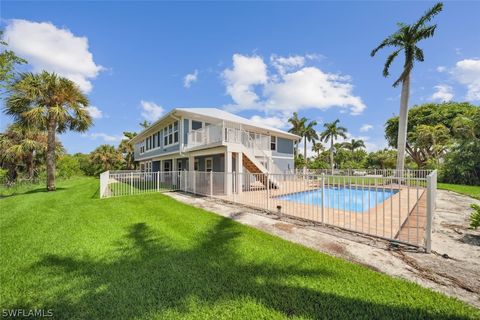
[219, 114]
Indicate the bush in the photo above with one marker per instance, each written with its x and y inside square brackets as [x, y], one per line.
[67, 167]
[475, 216]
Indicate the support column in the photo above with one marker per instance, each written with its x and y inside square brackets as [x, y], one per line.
[228, 173]
[239, 169]
[191, 174]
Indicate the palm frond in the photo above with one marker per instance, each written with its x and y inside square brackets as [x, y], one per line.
[429, 14]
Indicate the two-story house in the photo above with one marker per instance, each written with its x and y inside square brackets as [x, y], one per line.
[210, 139]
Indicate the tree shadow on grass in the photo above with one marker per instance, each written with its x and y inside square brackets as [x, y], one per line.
[151, 277]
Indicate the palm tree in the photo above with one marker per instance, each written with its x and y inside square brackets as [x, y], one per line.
[309, 135]
[317, 147]
[106, 157]
[23, 148]
[332, 132]
[51, 103]
[301, 128]
[127, 149]
[406, 39]
[145, 124]
[298, 127]
[354, 145]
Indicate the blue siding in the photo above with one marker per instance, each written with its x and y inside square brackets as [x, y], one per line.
[218, 162]
[284, 164]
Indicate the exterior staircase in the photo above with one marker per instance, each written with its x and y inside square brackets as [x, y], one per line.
[255, 167]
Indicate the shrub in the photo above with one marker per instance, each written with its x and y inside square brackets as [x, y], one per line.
[475, 216]
[68, 166]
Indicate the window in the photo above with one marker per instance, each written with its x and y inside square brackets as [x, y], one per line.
[154, 140]
[142, 167]
[170, 134]
[158, 139]
[179, 165]
[208, 164]
[166, 166]
[195, 165]
[273, 143]
[196, 125]
[142, 148]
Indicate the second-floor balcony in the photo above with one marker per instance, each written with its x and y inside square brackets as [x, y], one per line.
[222, 134]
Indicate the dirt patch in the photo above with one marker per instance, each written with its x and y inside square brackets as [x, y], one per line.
[284, 226]
[453, 268]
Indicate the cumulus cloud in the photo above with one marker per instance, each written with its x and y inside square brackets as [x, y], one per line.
[293, 87]
[310, 87]
[443, 93]
[94, 112]
[242, 77]
[104, 136]
[279, 122]
[283, 64]
[47, 47]
[366, 128]
[151, 111]
[467, 72]
[190, 78]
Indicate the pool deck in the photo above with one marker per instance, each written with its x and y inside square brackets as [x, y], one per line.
[402, 216]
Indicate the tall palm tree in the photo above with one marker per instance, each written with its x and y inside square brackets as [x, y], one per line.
[106, 157]
[51, 103]
[317, 147]
[309, 135]
[298, 127]
[354, 145]
[301, 128]
[332, 132]
[406, 39]
[127, 149]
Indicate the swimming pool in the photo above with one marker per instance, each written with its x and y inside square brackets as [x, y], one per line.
[343, 198]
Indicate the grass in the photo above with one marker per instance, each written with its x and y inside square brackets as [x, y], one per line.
[151, 257]
[471, 191]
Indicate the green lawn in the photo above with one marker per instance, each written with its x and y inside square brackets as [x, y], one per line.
[471, 191]
[151, 257]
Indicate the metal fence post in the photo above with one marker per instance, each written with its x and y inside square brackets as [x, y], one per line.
[211, 183]
[131, 182]
[430, 206]
[268, 192]
[323, 195]
[158, 181]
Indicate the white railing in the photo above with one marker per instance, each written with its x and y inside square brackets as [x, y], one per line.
[205, 136]
[381, 205]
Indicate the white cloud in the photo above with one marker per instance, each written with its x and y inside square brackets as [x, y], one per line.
[47, 47]
[283, 64]
[104, 136]
[293, 87]
[366, 128]
[241, 79]
[279, 122]
[151, 111]
[443, 93]
[441, 69]
[190, 78]
[310, 87]
[467, 72]
[94, 112]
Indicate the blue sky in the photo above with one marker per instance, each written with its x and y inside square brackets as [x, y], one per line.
[262, 60]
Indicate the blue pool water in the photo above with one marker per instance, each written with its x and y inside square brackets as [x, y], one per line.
[342, 198]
